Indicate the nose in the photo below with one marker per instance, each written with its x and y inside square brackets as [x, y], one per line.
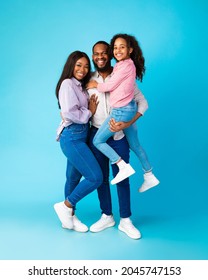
[100, 55]
[82, 68]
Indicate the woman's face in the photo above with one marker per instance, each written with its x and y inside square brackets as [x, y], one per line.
[81, 68]
[121, 50]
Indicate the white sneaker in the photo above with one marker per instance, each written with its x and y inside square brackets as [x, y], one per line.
[65, 214]
[77, 225]
[124, 172]
[150, 181]
[104, 222]
[127, 227]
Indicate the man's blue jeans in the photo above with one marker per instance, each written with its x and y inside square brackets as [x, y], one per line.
[123, 188]
[125, 114]
[80, 162]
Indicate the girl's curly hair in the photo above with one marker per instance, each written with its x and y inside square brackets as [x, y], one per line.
[136, 55]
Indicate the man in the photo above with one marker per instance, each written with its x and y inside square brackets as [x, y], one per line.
[102, 61]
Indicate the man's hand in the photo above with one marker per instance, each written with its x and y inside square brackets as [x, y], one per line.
[117, 126]
[93, 102]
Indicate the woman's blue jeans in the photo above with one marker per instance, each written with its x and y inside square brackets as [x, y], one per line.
[124, 114]
[80, 162]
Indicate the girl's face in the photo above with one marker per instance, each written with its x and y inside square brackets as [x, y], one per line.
[81, 68]
[120, 49]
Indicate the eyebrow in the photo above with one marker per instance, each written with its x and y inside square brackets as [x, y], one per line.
[120, 45]
[100, 52]
[87, 64]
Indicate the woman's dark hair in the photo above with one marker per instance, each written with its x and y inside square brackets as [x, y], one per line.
[68, 69]
[136, 55]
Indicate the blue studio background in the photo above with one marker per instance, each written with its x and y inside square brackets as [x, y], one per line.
[36, 38]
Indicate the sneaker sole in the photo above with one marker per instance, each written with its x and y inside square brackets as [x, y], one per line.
[131, 236]
[75, 229]
[103, 228]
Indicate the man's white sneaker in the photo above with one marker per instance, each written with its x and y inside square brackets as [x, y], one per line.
[104, 222]
[127, 227]
[65, 214]
[77, 225]
[150, 181]
[124, 172]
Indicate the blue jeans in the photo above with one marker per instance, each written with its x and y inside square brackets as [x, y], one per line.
[80, 162]
[125, 114]
[123, 188]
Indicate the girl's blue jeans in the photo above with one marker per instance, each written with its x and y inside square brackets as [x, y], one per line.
[80, 162]
[124, 114]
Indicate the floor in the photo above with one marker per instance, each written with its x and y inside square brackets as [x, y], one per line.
[32, 231]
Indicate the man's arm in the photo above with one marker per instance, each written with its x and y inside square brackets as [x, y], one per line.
[142, 108]
[141, 100]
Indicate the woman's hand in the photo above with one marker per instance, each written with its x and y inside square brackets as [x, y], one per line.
[91, 84]
[93, 102]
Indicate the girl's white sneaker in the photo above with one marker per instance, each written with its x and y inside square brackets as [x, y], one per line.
[150, 181]
[124, 172]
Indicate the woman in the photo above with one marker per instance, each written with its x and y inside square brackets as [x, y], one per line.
[73, 101]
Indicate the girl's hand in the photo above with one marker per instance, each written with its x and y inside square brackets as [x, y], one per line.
[93, 103]
[91, 84]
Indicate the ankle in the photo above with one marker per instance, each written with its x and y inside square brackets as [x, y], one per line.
[68, 204]
[148, 173]
[121, 163]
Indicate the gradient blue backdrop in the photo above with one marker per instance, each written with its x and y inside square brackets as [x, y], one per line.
[36, 38]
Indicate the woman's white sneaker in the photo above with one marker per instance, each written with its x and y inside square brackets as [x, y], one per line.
[77, 225]
[65, 214]
[104, 222]
[127, 227]
[150, 181]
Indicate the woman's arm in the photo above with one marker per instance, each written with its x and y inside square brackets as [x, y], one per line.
[71, 109]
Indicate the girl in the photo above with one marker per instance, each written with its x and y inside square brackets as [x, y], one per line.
[73, 102]
[130, 65]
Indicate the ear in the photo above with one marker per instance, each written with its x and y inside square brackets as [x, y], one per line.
[131, 50]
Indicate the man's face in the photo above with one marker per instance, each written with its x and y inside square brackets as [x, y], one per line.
[100, 57]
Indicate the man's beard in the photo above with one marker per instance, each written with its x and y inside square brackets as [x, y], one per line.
[103, 69]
